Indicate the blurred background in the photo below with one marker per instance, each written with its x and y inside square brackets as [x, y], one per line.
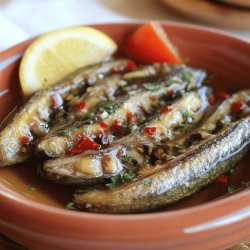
[21, 19]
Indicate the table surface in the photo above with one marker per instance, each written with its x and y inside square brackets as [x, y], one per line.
[52, 14]
[48, 15]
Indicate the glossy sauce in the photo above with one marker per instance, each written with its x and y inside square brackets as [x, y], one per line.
[23, 178]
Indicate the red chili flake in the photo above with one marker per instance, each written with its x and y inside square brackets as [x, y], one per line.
[80, 106]
[88, 144]
[131, 65]
[116, 70]
[117, 126]
[103, 125]
[131, 116]
[222, 95]
[120, 153]
[237, 106]
[170, 93]
[211, 100]
[222, 178]
[165, 109]
[25, 140]
[150, 130]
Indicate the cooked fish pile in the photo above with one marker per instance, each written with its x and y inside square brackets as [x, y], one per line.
[130, 138]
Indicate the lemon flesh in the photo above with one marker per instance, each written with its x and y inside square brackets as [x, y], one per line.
[56, 54]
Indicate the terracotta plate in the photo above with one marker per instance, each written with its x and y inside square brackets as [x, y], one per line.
[38, 219]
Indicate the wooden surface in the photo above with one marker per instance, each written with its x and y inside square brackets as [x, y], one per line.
[212, 12]
[8, 244]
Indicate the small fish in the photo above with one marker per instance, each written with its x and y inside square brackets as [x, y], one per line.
[36, 117]
[179, 178]
[80, 169]
[58, 144]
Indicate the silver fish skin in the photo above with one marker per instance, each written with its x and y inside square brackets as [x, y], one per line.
[105, 163]
[33, 120]
[180, 178]
[56, 145]
[85, 169]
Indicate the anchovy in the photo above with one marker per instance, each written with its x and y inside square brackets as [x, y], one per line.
[179, 178]
[35, 118]
[59, 143]
[106, 89]
[75, 170]
[85, 169]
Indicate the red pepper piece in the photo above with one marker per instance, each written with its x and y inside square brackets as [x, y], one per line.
[25, 140]
[120, 153]
[88, 144]
[222, 178]
[117, 126]
[211, 100]
[103, 125]
[170, 93]
[131, 65]
[237, 106]
[116, 70]
[165, 109]
[131, 116]
[222, 95]
[150, 130]
[80, 106]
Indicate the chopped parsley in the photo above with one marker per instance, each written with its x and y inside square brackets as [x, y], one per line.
[125, 124]
[91, 116]
[230, 189]
[187, 77]
[32, 189]
[126, 159]
[121, 178]
[245, 184]
[64, 133]
[70, 206]
[187, 116]
[151, 86]
[108, 107]
[147, 182]
[69, 144]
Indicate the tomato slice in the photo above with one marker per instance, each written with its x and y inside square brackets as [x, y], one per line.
[150, 44]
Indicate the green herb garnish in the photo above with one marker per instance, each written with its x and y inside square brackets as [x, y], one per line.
[69, 144]
[108, 107]
[187, 77]
[125, 124]
[32, 189]
[230, 189]
[170, 82]
[147, 182]
[187, 116]
[151, 86]
[245, 184]
[64, 133]
[70, 206]
[121, 178]
[126, 159]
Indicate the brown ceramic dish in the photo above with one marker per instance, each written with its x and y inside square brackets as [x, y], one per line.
[37, 220]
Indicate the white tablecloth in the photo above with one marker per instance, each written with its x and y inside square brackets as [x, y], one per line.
[21, 19]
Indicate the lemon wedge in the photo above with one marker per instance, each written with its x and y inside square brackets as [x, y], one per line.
[56, 54]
